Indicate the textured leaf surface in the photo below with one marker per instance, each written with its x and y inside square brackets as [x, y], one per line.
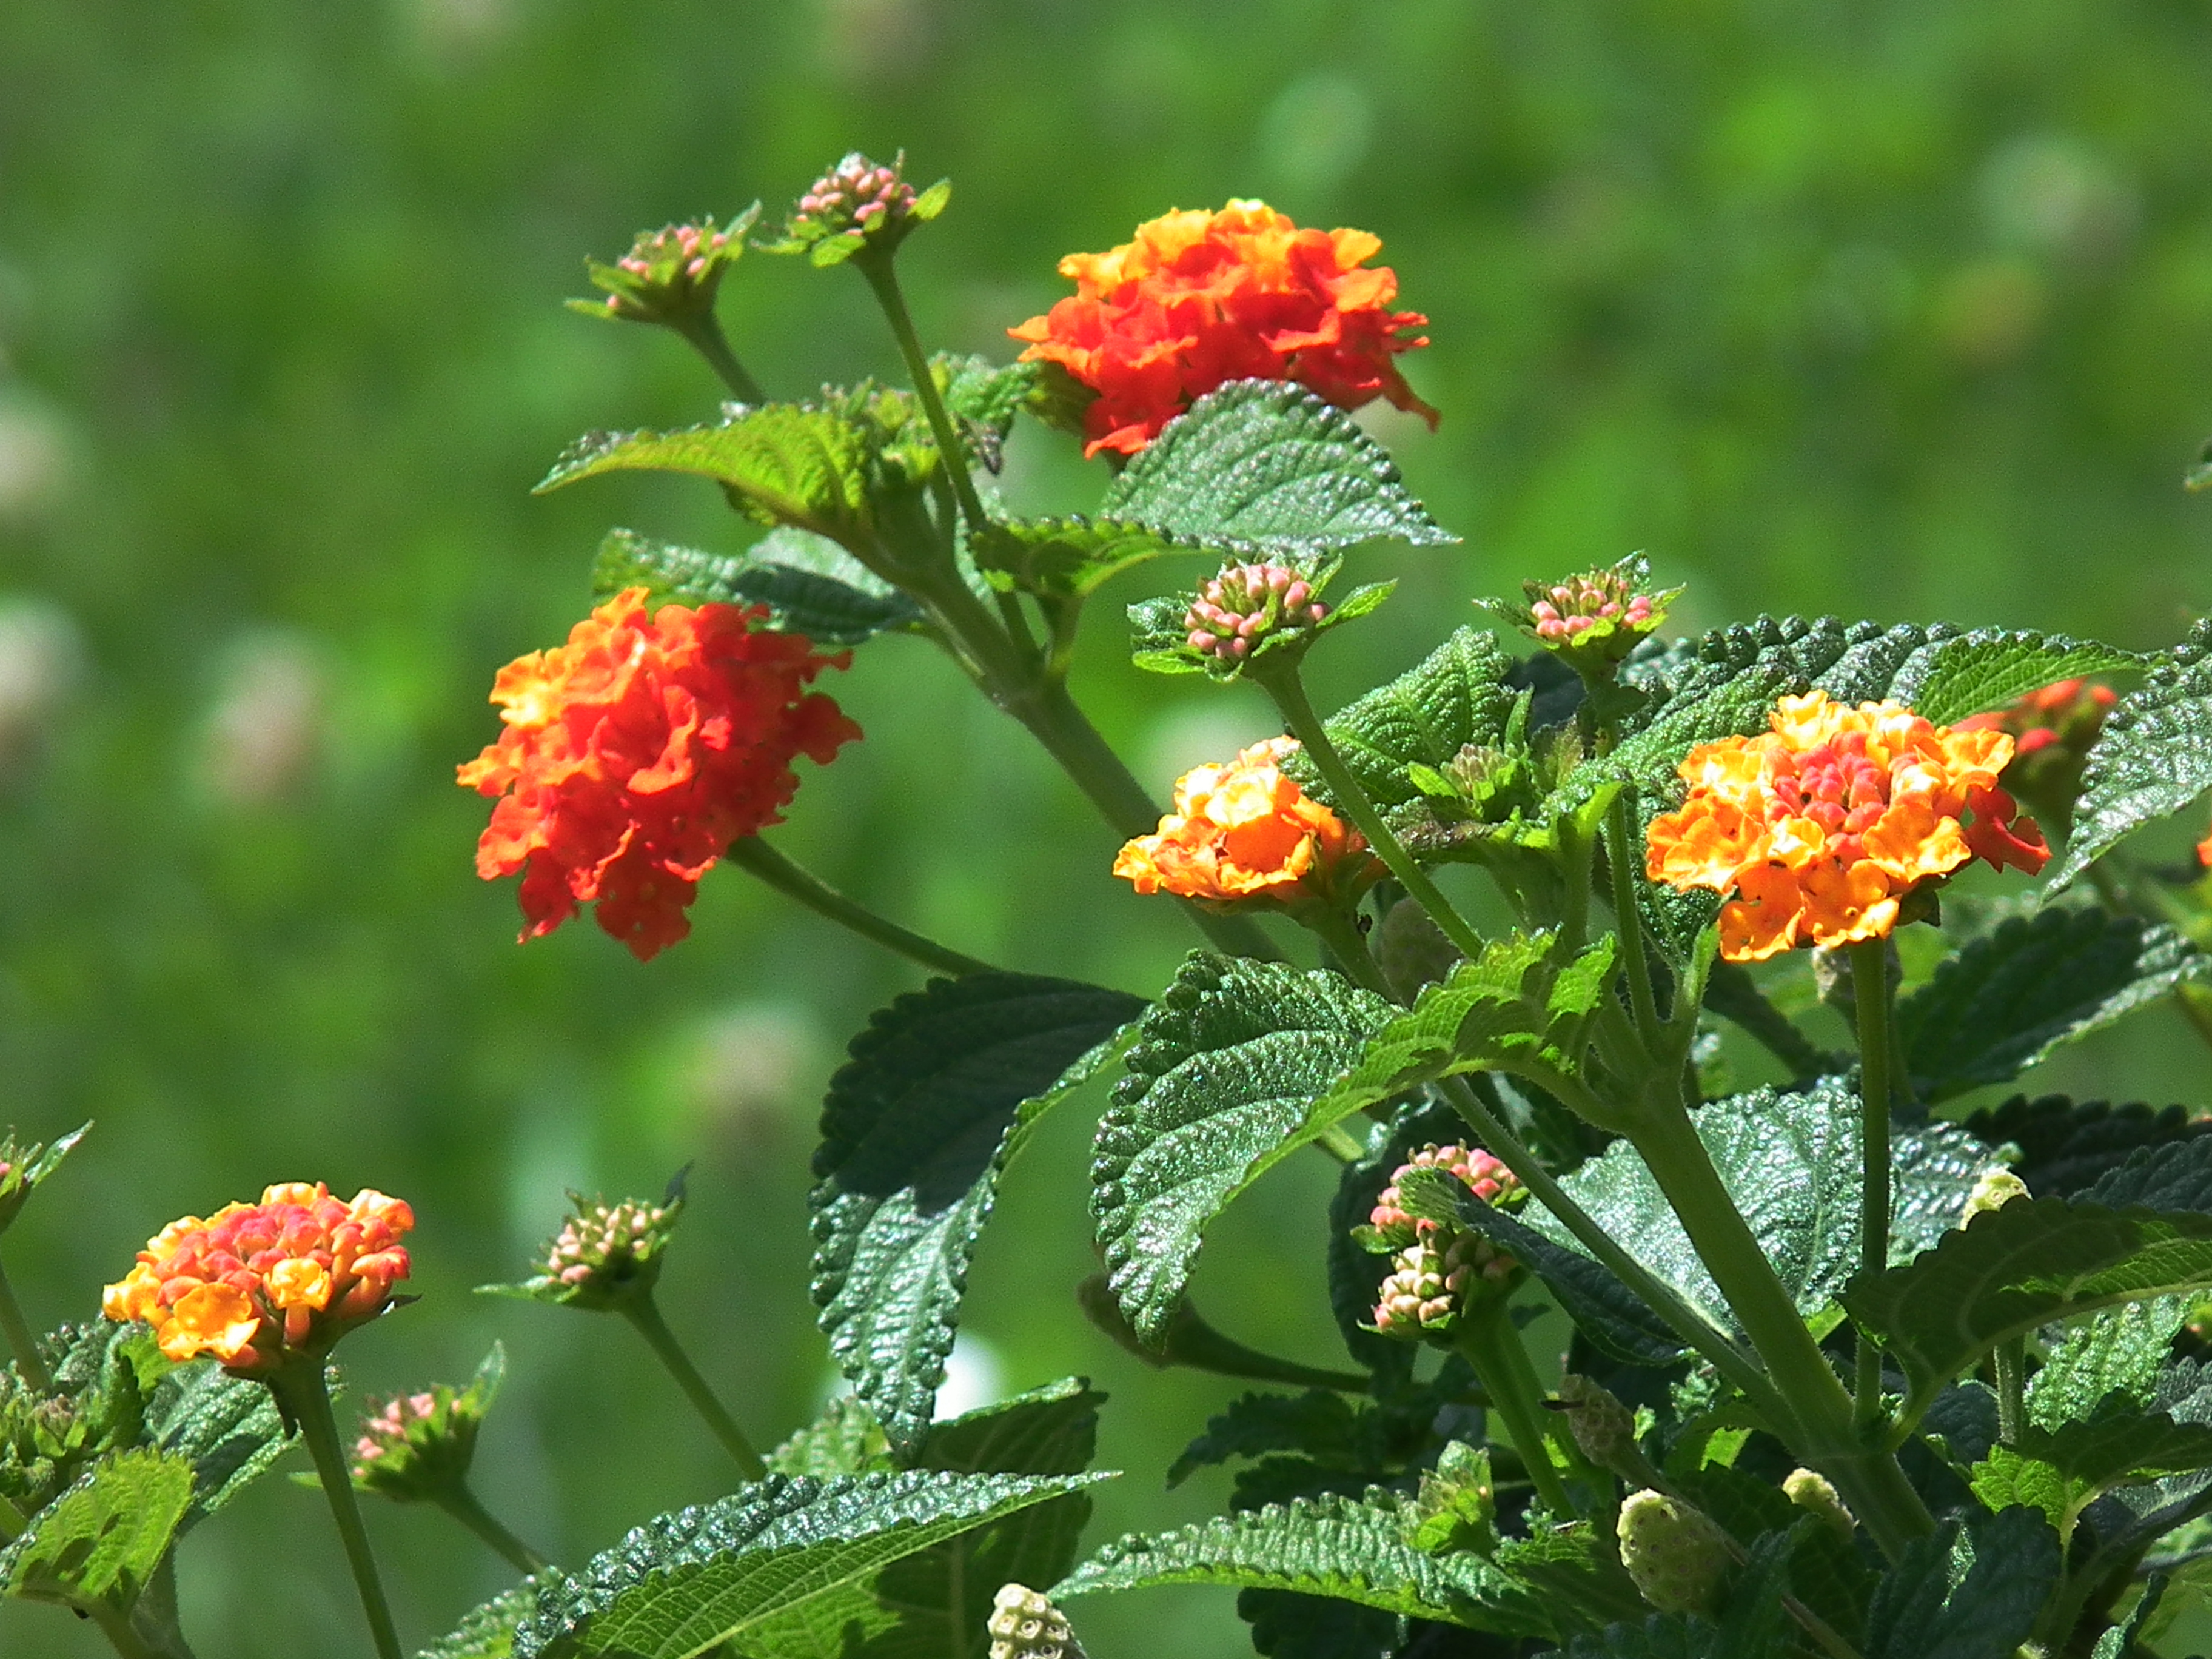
[1970, 1593]
[846, 1439]
[2013, 996]
[227, 1426]
[1071, 556]
[488, 1633]
[2119, 1352]
[1232, 1070]
[99, 1542]
[1989, 668]
[2067, 1145]
[1287, 1626]
[1320, 1547]
[1424, 717]
[2062, 1471]
[2153, 758]
[811, 586]
[782, 1569]
[1266, 463]
[941, 1088]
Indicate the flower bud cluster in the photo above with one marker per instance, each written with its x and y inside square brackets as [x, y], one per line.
[670, 275]
[418, 1446]
[1596, 618]
[857, 203]
[1481, 1174]
[605, 1254]
[1246, 604]
[23, 1166]
[1025, 1624]
[1430, 1286]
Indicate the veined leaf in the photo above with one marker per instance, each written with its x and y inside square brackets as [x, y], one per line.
[782, 1569]
[1459, 695]
[1070, 557]
[2013, 996]
[1970, 673]
[846, 1439]
[227, 1426]
[99, 1542]
[1231, 1072]
[941, 1089]
[2120, 1353]
[2153, 758]
[2067, 1145]
[1970, 1593]
[983, 398]
[2062, 1472]
[488, 1633]
[1321, 1546]
[810, 585]
[1288, 1626]
[1267, 465]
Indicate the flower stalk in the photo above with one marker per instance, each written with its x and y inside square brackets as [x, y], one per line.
[303, 1396]
[795, 881]
[704, 335]
[1490, 1344]
[463, 1504]
[1869, 961]
[644, 1314]
[21, 1339]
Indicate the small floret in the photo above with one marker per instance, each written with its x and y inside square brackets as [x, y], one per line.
[1247, 831]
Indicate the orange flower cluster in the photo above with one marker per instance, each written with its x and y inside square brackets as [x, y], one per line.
[637, 752]
[1821, 825]
[1246, 830]
[1198, 299]
[2204, 852]
[256, 1283]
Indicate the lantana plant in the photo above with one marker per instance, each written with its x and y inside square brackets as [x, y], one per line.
[1875, 1359]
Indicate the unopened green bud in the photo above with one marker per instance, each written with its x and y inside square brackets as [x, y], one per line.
[1813, 1491]
[1603, 1427]
[605, 1255]
[670, 275]
[1025, 1624]
[1997, 1187]
[1674, 1553]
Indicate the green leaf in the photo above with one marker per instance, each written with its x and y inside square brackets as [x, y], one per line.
[1266, 465]
[1752, 1626]
[1989, 668]
[99, 1543]
[1318, 1422]
[792, 463]
[2115, 1643]
[227, 1426]
[2153, 758]
[1287, 1626]
[983, 398]
[488, 1633]
[846, 1439]
[1231, 1072]
[1424, 717]
[1320, 1547]
[24, 1164]
[781, 1569]
[2119, 1352]
[810, 585]
[2014, 996]
[941, 1089]
[1966, 1594]
[2061, 1472]
[1071, 557]
[2030, 1262]
[2067, 1145]
[1791, 1162]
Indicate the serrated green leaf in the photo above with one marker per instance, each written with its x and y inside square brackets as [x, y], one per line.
[1970, 1593]
[2119, 1352]
[2014, 996]
[1457, 697]
[1990, 667]
[791, 463]
[2029, 1263]
[2153, 758]
[488, 1633]
[941, 1089]
[1576, 1570]
[1070, 557]
[99, 1542]
[1320, 1423]
[846, 1439]
[1320, 1547]
[983, 398]
[2067, 1145]
[2170, 1177]
[1266, 465]
[810, 585]
[782, 1570]
[2062, 1471]
[1232, 1070]
[228, 1426]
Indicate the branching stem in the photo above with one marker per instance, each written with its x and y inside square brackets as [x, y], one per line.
[463, 1504]
[1870, 991]
[794, 881]
[645, 1314]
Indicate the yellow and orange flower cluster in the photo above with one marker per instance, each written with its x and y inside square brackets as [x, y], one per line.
[256, 1283]
[1246, 830]
[1198, 299]
[1819, 827]
[637, 752]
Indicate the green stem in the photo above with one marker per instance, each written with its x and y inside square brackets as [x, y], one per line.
[154, 1617]
[303, 1396]
[883, 277]
[1492, 1345]
[1628, 917]
[1290, 695]
[1870, 991]
[2010, 1360]
[706, 337]
[1341, 1144]
[1191, 1342]
[121, 1633]
[644, 1312]
[21, 1339]
[463, 1504]
[795, 881]
[1339, 930]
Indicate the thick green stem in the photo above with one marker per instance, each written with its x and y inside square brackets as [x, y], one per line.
[463, 1504]
[643, 1312]
[706, 337]
[122, 1635]
[1339, 930]
[21, 1339]
[794, 881]
[883, 277]
[1493, 1347]
[300, 1390]
[1290, 695]
[2010, 1361]
[1628, 917]
[1870, 991]
[1341, 1144]
[153, 1618]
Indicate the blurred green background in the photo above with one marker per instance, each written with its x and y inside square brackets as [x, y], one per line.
[1884, 308]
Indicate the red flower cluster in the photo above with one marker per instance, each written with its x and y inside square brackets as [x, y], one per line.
[637, 752]
[1200, 299]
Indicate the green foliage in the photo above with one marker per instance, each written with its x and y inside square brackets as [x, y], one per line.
[98, 1544]
[846, 1439]
[1333, 1546]
[1424, 717]
[1234, 1068]
[2062, 1471]
[2014, 996]
[941, 1089]
[1970, 1592]
[488, 1633]
[228, 1426]
[1069, 557]
[2067, 1145]
[810, 585]
[784, 1568]
[22, 1167]
[2154, 756]
[983, 398]
[1752, 1626]
[1988, 668]
[2119, 1352]
[1288, 1626]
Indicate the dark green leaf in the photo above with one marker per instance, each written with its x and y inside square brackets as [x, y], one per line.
[2178, 1177]
[2067, 1146]
[1731, 992]
[1267, 465]
[2119, 1352]
[941, 1089]
[1424, 717]
[1319, 1423]
[1288, 1626]
[2062, 1471]
[2013, 996]
[488, 1633]
[1232, 1072]
[228, 1426]
[811, 586]
[1965, 1594]
[1320, 1547]
[783, 1569]
[846, 1439]
[99, 1542]
[1989, 668]
[2153, 758]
